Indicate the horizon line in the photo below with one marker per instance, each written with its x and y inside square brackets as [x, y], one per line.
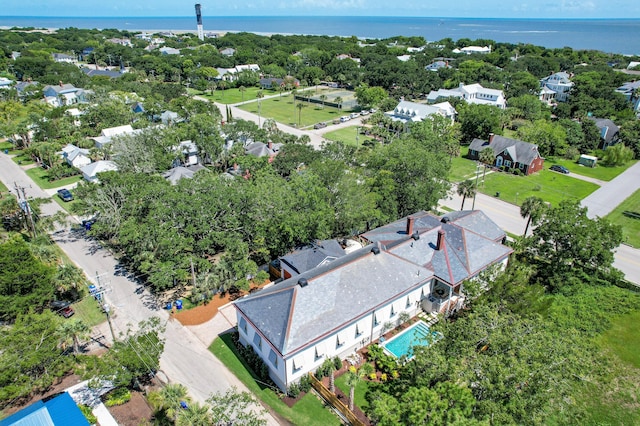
[322, 16]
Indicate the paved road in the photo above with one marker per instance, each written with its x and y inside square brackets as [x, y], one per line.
[186, 359]
[609, 196]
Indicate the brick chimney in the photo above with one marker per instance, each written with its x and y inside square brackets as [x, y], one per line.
[491, 135]
[410, 222]
[440, 242]
[60, 83]
[270, 145]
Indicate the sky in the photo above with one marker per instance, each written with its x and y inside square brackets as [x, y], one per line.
[561, 9]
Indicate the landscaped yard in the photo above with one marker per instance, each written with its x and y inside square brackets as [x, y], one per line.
[307, 411]
[347, 135]
[39, 176]
[282, 110]
[462, 168]
[88, 311]
[630, 225]
[599, 172]
[552, 187]
[361, 390]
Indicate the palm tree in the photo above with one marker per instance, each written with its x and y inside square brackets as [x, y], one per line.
[323, 98]
[242, 89]
[212, 87]
[354, 376]
[222, 85]
[194, 415]
[452, 147]
[73, 331]
[68, 276]
[300, 106]
[167, 400]
[487, 157]
[338, 100]
[466, 189]
[532, 209]
[259, 95]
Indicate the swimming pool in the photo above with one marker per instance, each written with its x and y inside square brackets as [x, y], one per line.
[403, 343]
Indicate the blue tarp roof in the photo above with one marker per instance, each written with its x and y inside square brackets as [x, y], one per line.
[58, 411]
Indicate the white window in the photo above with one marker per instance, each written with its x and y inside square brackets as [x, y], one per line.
[273, 358]
[507, 163]
[320, 350]
[393, 312]
[297, 363]
[257, 341]
[340, 339]
[243, 325]
[408, 305]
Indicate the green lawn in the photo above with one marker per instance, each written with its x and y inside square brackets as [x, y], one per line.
[361, 390]
[88, 311]
[461, 167]
[308, 411]
[346, 135]
[630, 225]
[599, 172]
[550, 186]
[232, 96]
[282, 110]
[39, 176]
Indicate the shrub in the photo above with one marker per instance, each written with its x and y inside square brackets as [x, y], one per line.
[383, 377]
[395, 374]
[537, 187]
[86, 412]
[305, 384]
[373, 376]
[294, 390]
[337, 363]
[117, 396]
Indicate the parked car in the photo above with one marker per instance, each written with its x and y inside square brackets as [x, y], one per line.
[320, 125]
[59, 304]
[354, 115]
[65, 195]
[560, 169]
[364, 112]
[67, 312]
[344, 118]
[373, 110]
[336, 121]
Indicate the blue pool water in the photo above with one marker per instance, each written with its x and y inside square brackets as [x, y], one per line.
[403, 343]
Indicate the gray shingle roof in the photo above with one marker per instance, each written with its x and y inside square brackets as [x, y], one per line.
[313, 255]
[292, 317]
[520, 152]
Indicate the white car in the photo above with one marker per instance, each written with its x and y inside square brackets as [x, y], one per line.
[345, 118]
[354, 115]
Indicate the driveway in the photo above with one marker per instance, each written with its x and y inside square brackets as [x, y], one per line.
[185, 359]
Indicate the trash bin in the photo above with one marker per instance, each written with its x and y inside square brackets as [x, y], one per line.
[169, 305]
[497, 195]
[6, 151]
[178, 304]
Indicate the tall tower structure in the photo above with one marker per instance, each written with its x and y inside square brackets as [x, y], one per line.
[199, 20]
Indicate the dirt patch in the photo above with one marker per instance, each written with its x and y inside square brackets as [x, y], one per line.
[136, 412]
[203, 313]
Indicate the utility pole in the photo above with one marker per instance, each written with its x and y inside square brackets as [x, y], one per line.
[99, 293]
[24, 205]
[193, 273]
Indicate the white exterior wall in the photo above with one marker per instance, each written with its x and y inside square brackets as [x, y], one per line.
[354, 336]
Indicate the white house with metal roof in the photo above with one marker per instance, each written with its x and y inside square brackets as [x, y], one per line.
[472, 94]
[414, 264]
[411, 112]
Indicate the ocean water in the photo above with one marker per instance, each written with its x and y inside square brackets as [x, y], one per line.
[607, 35]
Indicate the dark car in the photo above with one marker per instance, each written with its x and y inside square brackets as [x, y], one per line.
[67, 312]
[560, 169]
[59, 304]
[65, 195]
[320, 125]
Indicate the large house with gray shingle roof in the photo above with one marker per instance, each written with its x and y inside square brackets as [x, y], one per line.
[415, 264]
[510, 153]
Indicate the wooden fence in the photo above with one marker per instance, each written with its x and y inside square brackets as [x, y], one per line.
[334, 401]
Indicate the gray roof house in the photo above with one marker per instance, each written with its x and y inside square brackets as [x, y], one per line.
[310, 256]
[472, 94]
[90, 171]
[559, 83]
[510, 153]
[64, 94]
[181, 172]
[631, 90]
[261, 149]
[609, 132]
[75, 157]
[414, 264]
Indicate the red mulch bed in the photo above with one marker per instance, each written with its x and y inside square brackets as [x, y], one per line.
[203, 313]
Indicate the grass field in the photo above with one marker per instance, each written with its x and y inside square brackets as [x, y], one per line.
[550, 186]
[347, 135]
[283, 111]
[232, 96]
[39, 176]
[461, 167]
[89, 312]
[630, 225]
[599, 172]
[307, 411]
